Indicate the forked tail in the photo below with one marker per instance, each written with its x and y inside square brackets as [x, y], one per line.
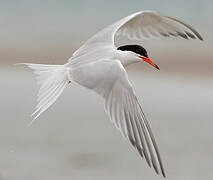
[52, 80]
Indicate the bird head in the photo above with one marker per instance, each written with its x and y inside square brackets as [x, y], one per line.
[137, 53]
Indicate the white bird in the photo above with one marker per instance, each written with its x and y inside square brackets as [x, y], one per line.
[99, 65]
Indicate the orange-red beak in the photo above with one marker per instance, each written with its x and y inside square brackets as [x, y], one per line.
[149, 60]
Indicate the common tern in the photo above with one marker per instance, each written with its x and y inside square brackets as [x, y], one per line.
[100, 66]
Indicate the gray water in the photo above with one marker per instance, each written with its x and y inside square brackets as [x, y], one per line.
[75, 140]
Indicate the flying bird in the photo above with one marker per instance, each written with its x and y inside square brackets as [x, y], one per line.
[100, 66]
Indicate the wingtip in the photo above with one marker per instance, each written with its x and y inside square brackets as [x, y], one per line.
[18, 64]
[201, 38]
[163, 173]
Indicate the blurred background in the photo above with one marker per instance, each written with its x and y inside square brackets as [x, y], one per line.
[74, 138]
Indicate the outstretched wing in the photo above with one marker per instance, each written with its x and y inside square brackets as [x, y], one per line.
[124, 110]
[141, 25]
[150, 24]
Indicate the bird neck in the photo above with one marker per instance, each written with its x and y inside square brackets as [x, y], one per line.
[126, 57]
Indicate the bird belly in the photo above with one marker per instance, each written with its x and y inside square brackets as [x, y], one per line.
[94, 75]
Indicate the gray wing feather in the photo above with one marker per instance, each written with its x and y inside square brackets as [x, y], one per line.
[125, 112]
